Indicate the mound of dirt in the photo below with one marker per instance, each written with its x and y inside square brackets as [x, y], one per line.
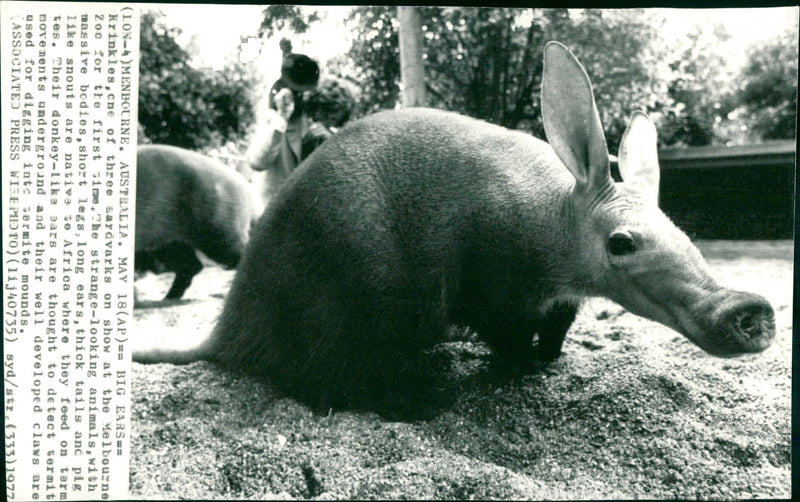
[630, 410]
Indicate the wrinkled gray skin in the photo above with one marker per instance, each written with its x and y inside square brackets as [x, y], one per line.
[408, 221]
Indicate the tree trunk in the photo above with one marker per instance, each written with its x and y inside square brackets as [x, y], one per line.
[412, 68]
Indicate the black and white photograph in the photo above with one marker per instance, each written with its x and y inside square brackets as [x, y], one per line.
[431, 252]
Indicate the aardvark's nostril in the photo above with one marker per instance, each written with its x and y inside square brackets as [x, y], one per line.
[748, 324]
[754, 321]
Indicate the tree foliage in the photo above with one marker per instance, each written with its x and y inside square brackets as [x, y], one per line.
[482, 63]
[375, 56]
[183, 105]
[699, 88]
[487, 62]
[278, 17]
[768, 87]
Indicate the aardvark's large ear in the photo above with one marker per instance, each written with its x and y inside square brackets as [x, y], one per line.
[638, 155]
[570, 117]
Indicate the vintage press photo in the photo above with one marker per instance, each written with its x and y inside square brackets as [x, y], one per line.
[240, 261]
[69, 143]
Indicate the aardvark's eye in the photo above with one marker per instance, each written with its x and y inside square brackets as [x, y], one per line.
[621, 243]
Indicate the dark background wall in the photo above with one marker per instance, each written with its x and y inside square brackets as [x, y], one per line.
[741, 192]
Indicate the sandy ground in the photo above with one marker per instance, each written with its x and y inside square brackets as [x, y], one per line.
[630, 410]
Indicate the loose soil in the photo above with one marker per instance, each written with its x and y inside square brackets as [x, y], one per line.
[630, 410]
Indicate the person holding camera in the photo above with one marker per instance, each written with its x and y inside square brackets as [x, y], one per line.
[279, 149]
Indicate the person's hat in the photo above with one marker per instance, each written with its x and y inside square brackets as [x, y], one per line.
[299, 72]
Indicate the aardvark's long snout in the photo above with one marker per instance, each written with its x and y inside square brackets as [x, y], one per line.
[733, 323]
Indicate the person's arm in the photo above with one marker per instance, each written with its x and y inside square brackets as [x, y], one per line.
[264, 152]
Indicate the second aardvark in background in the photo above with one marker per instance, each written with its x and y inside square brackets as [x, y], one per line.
[186, 201]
